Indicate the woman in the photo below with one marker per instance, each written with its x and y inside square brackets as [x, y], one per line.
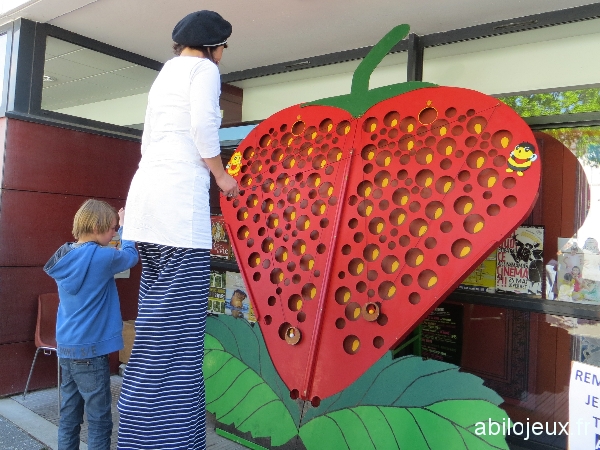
[162, 398]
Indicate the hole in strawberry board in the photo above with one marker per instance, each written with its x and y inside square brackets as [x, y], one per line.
[242, 214]
[256, 276]
[370, 125]
[267, 320]
[463, 205]
[386, 290]
[291, 266]
[446, 146]
[418, 227]
[401, 196]
[294, 394]
[406, 279]
[424, 156]
[273, 221]
[476, 159]
[346, 249]
[334, 155]
[276, 276]
[340, 323]
[434, 210]
[364, 188]
[457, 130]
[281, 254]
[493, 210]
[318, 208]
[351, 344]
[384, 158]
[376, 225]
[343, 128]
[378, 342]
[252, 201]
[428, 115]
[282, 329]
[424, 178]
[352, 311]
[445, 164]
[442, 260]
[243, 232]
[476, 124]
[295, 303]
[356, 266]
[382, 178]
[254, 259]
[293, 196]
[414, 298]
[307, 262]
[390, 264]
[461, 248]
[510, 201]
[444, 185]
[315, 402]
[314, 235]
[487, 178]
[509, 183]
[371, 252]
[499, 161]
[397, 216]
[266, 264]
[289, 214]
[446, 227]
[414, 257]
[303, 223]
[343, 295]
[365, 208]
[427, 279]
[391, 119]
[358, 237]
[298, 127]
[404, 241]
[502, 139]
[430, 243]
[353, 223]
[474, 223]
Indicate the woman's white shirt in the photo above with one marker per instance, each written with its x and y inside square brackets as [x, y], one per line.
[168, 198]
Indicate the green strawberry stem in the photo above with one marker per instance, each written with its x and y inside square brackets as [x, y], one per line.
[361, 98]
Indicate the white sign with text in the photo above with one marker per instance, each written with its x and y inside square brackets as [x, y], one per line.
[584, 407]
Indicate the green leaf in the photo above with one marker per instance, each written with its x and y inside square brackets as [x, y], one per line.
[407, 382]
[448, 425]
[238, 396]
[246, 343]
[360, 98]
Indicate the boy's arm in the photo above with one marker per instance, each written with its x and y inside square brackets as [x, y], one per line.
[126, 257]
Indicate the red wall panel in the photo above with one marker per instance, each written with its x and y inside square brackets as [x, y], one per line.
[47, 173]
[33, 225]
[19, 291]
[51, 159]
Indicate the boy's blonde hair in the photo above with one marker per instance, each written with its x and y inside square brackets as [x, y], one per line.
[94, 216]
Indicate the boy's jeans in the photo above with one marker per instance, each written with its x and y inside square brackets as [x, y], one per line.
[85, 381]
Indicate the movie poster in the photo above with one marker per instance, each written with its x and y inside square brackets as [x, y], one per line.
[216, 292]
[578, 277]
[520, 266]
[482, 279]
[237, 300]
[221, 247]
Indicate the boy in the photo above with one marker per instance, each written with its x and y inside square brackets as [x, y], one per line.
[89, 324]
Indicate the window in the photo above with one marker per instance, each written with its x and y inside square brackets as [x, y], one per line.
[92, 85]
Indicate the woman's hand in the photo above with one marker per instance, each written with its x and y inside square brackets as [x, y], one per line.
[228, 185]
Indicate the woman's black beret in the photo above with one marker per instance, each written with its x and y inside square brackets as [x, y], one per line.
[202, 28]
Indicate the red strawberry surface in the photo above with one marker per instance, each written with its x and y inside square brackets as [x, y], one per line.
[349, 230]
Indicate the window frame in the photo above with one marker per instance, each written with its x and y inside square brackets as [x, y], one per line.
[25, 99]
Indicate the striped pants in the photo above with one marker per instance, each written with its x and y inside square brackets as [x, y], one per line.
[162, 405]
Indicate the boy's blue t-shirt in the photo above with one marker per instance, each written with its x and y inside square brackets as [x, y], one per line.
[89, 320]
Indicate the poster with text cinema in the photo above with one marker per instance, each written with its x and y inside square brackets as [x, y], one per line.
[584, 407]
[520, 267]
